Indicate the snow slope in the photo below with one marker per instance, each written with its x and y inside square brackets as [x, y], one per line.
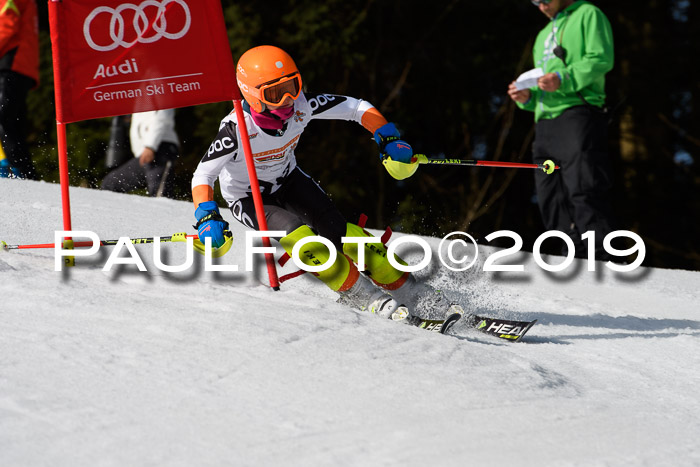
[199, 368]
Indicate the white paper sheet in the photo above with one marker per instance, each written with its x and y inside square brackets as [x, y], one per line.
[528, 79]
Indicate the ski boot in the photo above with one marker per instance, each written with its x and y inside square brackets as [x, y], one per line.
[427, 302]
[365, 296]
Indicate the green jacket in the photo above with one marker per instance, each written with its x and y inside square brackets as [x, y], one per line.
[585, 33]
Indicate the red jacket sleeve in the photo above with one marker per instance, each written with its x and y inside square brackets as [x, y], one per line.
[19, 29]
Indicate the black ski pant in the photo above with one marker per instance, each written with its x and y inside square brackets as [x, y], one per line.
[575, 199]
[131, 176]
[13, 121]
[298, 201]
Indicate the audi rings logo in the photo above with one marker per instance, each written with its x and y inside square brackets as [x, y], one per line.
[141, 24]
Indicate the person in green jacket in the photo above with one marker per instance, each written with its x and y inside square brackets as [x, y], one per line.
[574, 51]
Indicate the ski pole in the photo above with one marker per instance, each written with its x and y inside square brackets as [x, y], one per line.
[178, 237]
[547, 166]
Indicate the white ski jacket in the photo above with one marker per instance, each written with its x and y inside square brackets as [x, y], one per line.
[149, 129]
[274, 155]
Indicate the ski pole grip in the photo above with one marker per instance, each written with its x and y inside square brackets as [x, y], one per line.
[420, 158]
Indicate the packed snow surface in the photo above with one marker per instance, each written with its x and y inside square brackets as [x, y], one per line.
[200, 368]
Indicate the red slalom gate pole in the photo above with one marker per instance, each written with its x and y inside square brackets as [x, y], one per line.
[257, 197]
[63, 172]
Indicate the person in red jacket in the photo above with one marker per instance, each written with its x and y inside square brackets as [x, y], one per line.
[19, 72]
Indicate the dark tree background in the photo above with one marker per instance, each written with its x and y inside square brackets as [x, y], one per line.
[440, 71]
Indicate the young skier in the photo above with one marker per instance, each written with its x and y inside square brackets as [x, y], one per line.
[276, 114]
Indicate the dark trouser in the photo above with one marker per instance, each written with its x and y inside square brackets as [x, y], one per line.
[13, 120]
[131, 176]
[574, 199]
[297, 202]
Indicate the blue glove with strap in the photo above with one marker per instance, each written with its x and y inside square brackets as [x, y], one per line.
[210, 223]
[391, 145]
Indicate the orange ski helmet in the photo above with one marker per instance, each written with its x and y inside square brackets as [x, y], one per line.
[267, 75]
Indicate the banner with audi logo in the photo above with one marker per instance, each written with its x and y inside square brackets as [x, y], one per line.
[116, 57]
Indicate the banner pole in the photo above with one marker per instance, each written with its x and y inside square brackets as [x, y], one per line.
[255, 188]
[63, 172]
[54, 23]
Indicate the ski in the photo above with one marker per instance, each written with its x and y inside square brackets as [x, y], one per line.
[438, 325]
[510, 330]
[507, 329]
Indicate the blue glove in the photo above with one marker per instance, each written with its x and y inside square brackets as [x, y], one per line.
[391, 144]
[210, 223]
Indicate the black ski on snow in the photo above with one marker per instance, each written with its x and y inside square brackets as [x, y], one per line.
[504, 328]
[438, 325]
[510, 330]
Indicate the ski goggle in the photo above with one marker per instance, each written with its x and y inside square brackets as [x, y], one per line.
[275, 92]
[538, 2]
